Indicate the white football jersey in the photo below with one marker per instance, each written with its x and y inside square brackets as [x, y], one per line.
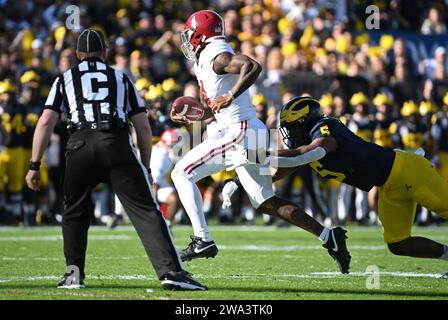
[213, 85]
[160, 165]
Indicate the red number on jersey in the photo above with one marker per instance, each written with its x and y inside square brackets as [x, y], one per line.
[204, 94]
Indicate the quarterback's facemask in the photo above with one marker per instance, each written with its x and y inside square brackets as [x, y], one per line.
[187, 47]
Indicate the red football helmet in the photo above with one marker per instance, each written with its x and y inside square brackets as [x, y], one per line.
[175, 140]
[201, 27]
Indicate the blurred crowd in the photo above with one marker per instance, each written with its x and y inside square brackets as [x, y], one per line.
[402, 101]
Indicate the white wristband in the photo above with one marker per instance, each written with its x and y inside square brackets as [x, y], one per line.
[231, 94]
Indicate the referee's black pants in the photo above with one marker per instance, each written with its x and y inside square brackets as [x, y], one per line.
[92, 157]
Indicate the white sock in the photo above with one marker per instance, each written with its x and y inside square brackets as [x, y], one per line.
[191, 199]
[325, 235]
[444, 256]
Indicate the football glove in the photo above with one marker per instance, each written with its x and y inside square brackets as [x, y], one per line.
[236, 157]
[227, 191]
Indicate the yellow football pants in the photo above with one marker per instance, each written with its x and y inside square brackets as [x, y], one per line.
[11, 169]
[412, 180]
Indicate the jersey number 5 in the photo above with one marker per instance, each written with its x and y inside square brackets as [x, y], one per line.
[324, 173]
[325, 130]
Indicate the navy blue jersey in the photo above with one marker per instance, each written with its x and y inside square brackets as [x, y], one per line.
[355, 162]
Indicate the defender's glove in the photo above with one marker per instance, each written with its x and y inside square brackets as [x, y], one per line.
[236, 157]
[227, 191]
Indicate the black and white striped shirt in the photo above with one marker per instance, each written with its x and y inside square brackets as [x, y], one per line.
[91, 91]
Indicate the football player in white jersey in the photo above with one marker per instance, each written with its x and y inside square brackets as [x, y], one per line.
[164, 155]
[224, 78]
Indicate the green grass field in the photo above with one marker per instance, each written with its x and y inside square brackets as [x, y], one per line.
[253, 263]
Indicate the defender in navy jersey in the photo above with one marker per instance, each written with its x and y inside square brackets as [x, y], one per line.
[356, 162]
[404, 178]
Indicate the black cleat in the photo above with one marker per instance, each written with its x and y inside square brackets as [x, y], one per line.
[199, 248]
[70, 282]
[180, 280]
[337, 248]
[444, 276]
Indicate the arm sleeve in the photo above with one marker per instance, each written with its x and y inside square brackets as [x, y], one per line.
[134, 102]
[289, 162]
[55, 99]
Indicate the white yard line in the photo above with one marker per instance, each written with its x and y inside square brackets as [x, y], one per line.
[293, 247]
[63, 259]
[313, 275]
[257, 228]
[223, 247]
[131, 228]
[381, 273]
[44, 278]
[59, 238]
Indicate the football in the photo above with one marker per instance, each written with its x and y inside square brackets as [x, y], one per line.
[189, 107]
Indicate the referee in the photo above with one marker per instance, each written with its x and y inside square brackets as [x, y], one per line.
[97, 101]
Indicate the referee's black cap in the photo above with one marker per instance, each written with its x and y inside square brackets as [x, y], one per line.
[91, 40]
